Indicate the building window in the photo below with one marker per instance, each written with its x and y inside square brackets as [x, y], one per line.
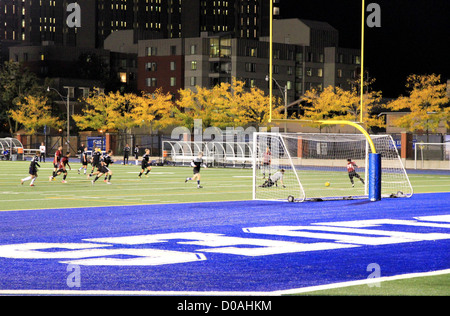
[173, 81]
[339, 73]
[289, 85]
[320, 72]
[309, 72]
[193, 49]
[151, 66]
[150, 82]
[84, 92]
[321, 58]
[123, 77]
[250, 67]
[70, 92]
[151, 51]
[173, 65]
[193, 81]
[193, 65]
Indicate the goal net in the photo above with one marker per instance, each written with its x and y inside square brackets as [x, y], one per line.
[304, 166]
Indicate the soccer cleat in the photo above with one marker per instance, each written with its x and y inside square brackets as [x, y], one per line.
[92, 182]
[199, 187]
[63, 181]
[50, 178]
[21, 182]
[32, 185]
[108, 182]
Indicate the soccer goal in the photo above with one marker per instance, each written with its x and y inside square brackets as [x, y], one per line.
[315, 167]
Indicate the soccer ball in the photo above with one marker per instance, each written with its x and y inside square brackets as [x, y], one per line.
[327, 184]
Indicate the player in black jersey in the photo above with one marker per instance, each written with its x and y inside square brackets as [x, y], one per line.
[95, 160]
[103, 167]
[145, 164]
[84, 160]
[107, 160]
[197, 163]
[32, 170]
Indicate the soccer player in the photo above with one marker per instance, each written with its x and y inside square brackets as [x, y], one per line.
[107, 160]
[145, 164]
[273, 180]
[267, 158]
[197, 163]
[103, 167]
[32, 170]
[84, 160]
[126, 154]
[62, 168]
[96, 155]
[351, 168]
[56, 160]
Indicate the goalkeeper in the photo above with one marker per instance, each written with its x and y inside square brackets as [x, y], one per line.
[351, 168]
[273, 180]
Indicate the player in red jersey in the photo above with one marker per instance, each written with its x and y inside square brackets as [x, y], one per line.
[62, 168]
[351, 168]
[56, 160]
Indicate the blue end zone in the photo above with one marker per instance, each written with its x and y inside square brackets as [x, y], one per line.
[218, 253]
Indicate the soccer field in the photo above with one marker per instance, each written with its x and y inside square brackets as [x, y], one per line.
[78, 211]
[163, 185]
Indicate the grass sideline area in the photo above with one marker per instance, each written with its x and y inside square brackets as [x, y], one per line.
[167, 185]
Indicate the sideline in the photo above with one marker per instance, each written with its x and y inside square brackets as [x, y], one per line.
[198, 293]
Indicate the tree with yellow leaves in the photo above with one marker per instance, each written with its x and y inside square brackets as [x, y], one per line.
[154, 110]
[34, 113]
[114, 111]
[225, 105]
[339, 104]
[107, 112]
[425, 106]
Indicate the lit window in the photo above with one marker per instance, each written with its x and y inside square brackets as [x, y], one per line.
[123, 77]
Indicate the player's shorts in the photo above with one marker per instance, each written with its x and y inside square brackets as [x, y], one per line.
[103, 169]
[352, 174]
[144, 164]
[55, 165]
[196, 170]
[61, 170]
[33, 171]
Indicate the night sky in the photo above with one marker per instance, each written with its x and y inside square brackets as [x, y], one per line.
[414, 36]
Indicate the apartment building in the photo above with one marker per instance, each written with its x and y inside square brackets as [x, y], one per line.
[306, 55]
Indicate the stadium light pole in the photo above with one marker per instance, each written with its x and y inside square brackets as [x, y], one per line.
[68, 114]
[270, 59]
[363, 5]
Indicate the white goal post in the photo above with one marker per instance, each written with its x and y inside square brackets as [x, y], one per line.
[315, 166]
